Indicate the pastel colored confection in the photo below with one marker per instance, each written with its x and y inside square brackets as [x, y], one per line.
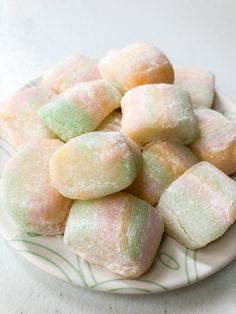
[19, 117]
[69, 72]
[95, 164]
[27, 193]
[217, 140]
[163, 162]
[111, 122]
[118, 232]
[200, 84]
[158, 112]
[135, 65]
[80, 109]
[199, 206]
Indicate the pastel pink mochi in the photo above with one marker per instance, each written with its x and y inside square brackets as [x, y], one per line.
[94, 165]
[80, 109]
[135, 65]
[163, 162]
[158, 112]
[200, 84]
[18, 115]
[199, 206]
[217, 140]
[27, 193]
[118, 232]
[69, 72]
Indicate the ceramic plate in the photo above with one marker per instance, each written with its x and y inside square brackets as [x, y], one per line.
[175, 266]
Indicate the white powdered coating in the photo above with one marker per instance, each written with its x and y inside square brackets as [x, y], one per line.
[81, 108]
[158, 112]
[18, 115]
[69, 72]
[217, 140]
[135, 65]
[95, 164]
[163, 163]
[200, 84]
[97, 98]
[216, 132]
[27, 193]
[199, 206]
[119, 232]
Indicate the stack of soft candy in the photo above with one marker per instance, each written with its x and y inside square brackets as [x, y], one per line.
[113, 153]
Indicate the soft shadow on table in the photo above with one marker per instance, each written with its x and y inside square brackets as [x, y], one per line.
[198, 297]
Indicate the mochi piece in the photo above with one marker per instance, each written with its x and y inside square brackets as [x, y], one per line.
[199, 206]
[118, 232]
[18, 115]
[135, 65]
[200, 84]
[26, 191]
[69, 72]
[158, 112]
[80, 109]
[94, 165]
[163, 162]
[217, 140]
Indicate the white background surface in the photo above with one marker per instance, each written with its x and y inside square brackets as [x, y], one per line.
[36, 34]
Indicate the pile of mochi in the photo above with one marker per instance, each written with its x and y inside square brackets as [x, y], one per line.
[113, 153]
